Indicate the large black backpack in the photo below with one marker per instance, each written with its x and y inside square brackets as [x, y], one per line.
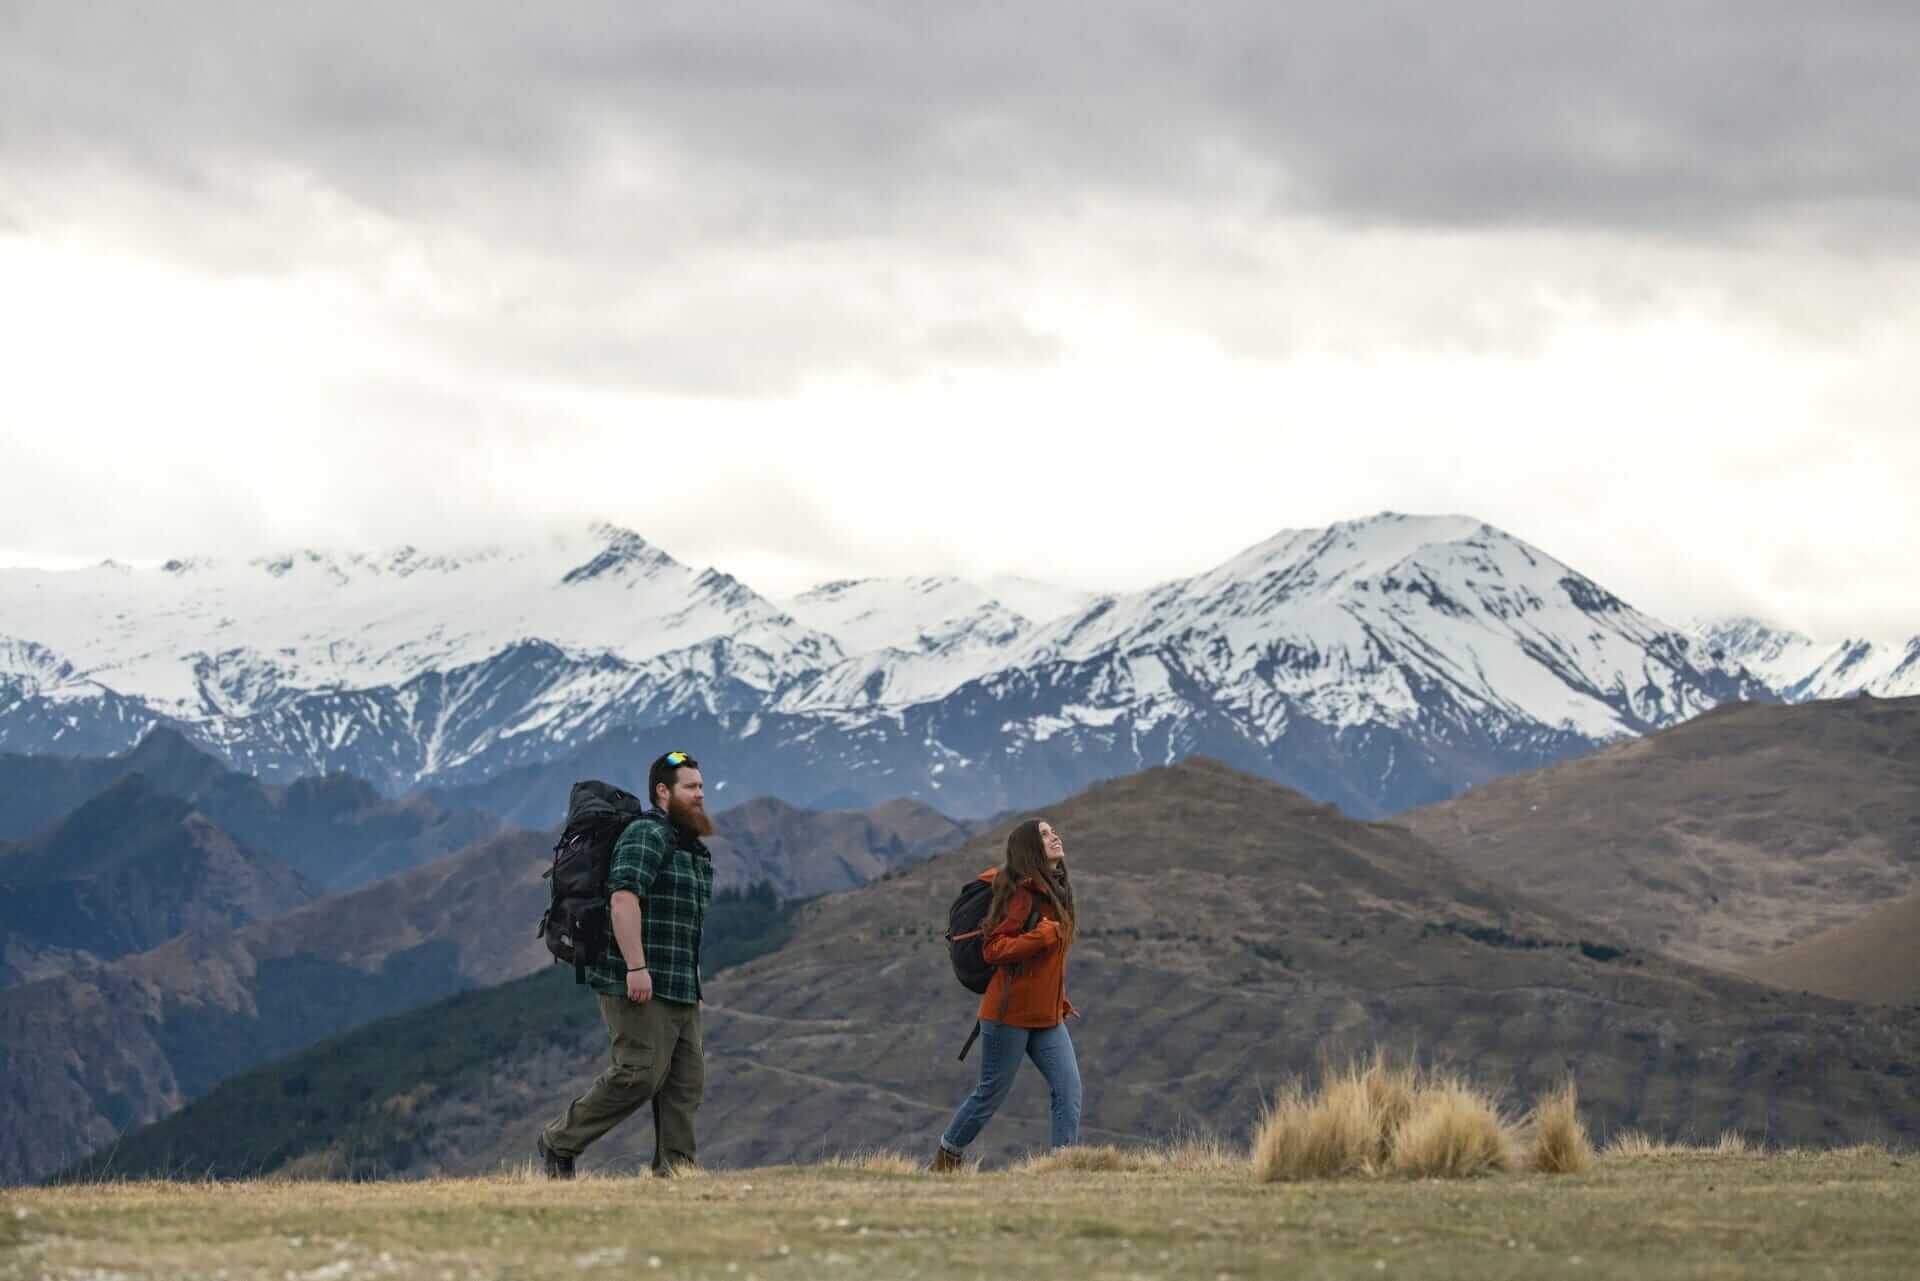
[576, 924]
[965, 937]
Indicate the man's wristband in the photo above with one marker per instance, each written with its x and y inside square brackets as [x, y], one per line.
[635, 969]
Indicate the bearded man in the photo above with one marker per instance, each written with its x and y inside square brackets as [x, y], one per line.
[659, 882]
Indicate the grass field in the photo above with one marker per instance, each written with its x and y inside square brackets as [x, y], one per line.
[1661, 1214]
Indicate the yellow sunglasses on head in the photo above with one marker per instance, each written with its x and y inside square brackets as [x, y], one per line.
[676, 758]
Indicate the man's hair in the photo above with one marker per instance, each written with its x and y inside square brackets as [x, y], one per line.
[665, 771]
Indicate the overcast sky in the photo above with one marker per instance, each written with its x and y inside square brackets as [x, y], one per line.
[1102, 292]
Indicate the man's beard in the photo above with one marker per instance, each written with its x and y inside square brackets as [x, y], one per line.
[688, 819]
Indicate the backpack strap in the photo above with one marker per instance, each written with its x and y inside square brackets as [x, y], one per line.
[647, 816]
[1006, 992]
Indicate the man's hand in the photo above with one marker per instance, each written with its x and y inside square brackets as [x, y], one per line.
[639, 986]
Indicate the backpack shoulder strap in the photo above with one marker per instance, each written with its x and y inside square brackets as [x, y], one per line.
[648, 816]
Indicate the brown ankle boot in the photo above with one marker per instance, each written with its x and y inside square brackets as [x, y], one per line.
[944, 1162]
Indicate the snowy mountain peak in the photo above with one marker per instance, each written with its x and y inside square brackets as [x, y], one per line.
[625, 555]
[911, 615]
[1767, 651]
[1802, 668]
[1395, 619]
[724, 590]
[1323, 560]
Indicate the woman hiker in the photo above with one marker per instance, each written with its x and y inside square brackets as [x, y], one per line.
[1029, 928]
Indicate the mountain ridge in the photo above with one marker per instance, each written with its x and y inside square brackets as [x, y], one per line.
[1424, 654]
[1231, 932]
[131, 868]
[337, 831]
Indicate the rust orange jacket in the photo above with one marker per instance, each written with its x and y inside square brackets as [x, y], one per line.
[1029, 987]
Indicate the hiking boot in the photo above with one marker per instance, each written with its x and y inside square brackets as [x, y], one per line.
[945, 1162]
[558, 1165]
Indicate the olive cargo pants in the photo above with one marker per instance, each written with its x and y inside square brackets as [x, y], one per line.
[656, 1058]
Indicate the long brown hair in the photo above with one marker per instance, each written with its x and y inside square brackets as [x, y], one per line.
[1027, 861]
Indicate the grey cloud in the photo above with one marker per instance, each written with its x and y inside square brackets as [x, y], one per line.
[833, 119]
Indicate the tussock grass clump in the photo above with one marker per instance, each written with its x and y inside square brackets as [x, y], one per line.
[1638, 1143]
[1331, 1134]
[1197, 1154]
[1560, 1144]
[1634, 1143]
[1391, 1092]
[876, 1162]
[1086, 1160]
[1344, 1129]
[1454, 1131]
[1190, 1155]
[1732, 1143]
[1376, 1117]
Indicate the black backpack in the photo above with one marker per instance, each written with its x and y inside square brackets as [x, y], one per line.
[966, 939]
[576, 924]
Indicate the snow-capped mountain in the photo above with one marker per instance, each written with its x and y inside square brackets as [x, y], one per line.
[1802, 669]
[400, 666]
[1378, 663]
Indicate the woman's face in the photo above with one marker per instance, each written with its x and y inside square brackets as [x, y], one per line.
[1050, 842]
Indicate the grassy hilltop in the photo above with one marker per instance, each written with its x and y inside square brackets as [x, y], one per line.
[1663, 1215]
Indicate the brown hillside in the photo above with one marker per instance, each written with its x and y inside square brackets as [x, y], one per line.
[1230, 929]
[1718, 841]
[87, 1055]
[1876, 959]
[807, 852]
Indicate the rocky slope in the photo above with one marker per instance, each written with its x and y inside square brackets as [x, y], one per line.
[125, 872]
[1717, 841]
[338, 832]
[1232, 931]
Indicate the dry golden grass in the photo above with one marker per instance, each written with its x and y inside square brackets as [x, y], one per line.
[1190, 1155]
[1328, 1134]
[877, 1163]
[1638, 1145]
[1087, 1160]
[1374, 1117]
[1559, 1141]
[1455, 1131]
[1390, 1092]
[1635, 1145]
[1198, 1154]
[1762, 1217]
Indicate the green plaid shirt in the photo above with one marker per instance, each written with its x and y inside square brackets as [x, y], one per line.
[672, 873]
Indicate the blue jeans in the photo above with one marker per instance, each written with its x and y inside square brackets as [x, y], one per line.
[1001, 1049]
